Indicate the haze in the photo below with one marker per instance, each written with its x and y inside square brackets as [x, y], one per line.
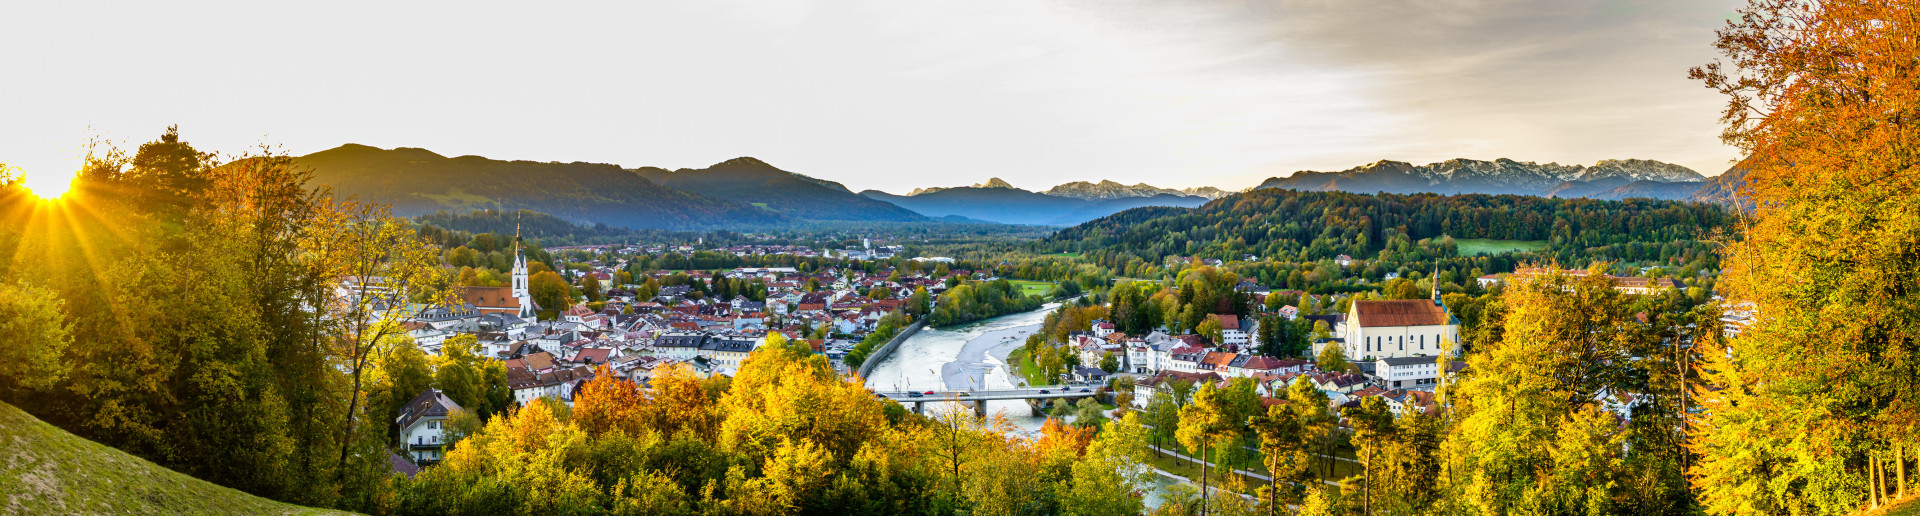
[881, 94]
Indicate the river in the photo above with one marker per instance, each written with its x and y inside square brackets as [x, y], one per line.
[967, 356]
[974, 355]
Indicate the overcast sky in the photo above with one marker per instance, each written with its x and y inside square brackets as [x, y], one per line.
[885, 94]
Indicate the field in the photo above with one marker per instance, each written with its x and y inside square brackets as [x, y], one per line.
[45, 470]
[1033, 288]
[1476, 246]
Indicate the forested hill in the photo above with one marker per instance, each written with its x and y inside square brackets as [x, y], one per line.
[1306, 226]
[418, 182]
[753, 181]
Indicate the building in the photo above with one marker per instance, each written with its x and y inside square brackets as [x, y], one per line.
[520, 290]
[423, 425]
[1406, 372]
[727, 353]
[1399, 328]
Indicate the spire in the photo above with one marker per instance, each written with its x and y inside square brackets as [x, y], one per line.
[1436, 286]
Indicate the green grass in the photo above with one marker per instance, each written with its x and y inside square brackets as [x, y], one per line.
[1024, 366]
[1033, 288]
[1910, 507]
[45, 470]
[1476, 246]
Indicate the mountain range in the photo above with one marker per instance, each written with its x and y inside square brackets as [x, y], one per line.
[747, 192]
[1608, 179]
[741, 192]
[1008, 205]
[419, 181]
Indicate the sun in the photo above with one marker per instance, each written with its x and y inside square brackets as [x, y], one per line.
[47, 185]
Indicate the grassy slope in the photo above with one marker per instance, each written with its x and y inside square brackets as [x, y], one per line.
[45, 470]
[1475, 246]
[1033, 288]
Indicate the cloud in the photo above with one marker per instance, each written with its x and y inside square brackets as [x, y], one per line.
[886, 94]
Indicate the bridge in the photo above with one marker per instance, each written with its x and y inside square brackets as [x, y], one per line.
[1035, 398]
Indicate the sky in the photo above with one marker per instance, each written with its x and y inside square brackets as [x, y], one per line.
[881, 94]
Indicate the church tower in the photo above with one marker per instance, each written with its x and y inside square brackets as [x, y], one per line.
[520, 290]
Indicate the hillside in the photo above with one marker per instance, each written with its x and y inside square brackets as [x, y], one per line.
[418, 182]
[1016, 206]
[1322, 225]
[1608, 179]
[751, 181]
[45, 470]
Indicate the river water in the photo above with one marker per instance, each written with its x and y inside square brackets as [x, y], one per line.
[968, 356]
[974, 356]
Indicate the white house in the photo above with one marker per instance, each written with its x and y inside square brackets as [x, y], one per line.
[1406, 372]
[423, 426]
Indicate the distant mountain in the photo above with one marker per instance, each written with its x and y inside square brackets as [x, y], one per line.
[996, 202]
[418, 182]
[751, 181]
[1609, 179]
[1107, 189]
[991, 183]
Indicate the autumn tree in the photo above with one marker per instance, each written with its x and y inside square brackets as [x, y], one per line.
[550, 291]
[1204, 422]
[1804, 406]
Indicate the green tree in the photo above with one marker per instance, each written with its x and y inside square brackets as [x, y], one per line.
[1113, 469]
[30, 314]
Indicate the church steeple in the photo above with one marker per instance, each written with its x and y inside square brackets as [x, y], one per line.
[1436, 287]
[520, 290]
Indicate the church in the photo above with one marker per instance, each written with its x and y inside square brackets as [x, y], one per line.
[516, 300]
[1400, 328]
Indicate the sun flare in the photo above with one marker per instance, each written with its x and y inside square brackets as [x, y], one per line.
[48, 185]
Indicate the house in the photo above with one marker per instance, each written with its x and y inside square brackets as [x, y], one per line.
[1089, 374]
[1399, 328]
[1232, 333]
[728, 352]
[1163, 381]
[1406, 372]
[679, 345]
[1343, 260]
[423, 424]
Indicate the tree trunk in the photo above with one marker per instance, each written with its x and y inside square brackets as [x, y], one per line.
[1900, 457]
[1873, 480]
[1203, 480]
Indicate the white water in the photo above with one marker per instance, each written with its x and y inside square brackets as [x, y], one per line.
[974, 356]
[968, 356]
